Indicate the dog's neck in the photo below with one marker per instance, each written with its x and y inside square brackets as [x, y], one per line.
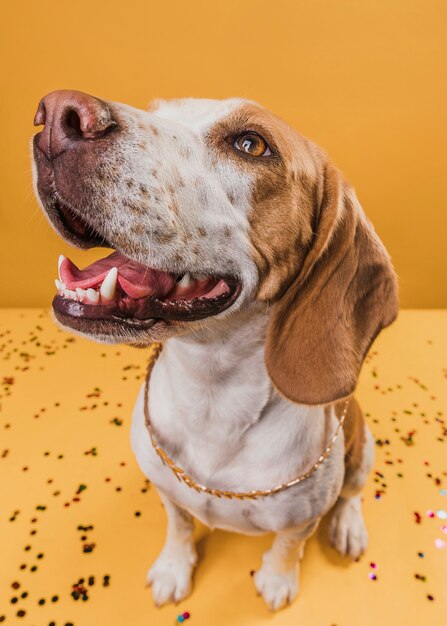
[211, 400]
[217, 375]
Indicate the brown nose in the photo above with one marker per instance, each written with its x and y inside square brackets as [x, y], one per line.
[70, 117]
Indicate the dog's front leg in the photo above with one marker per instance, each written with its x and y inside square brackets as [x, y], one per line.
[277, 579]
[171, 575]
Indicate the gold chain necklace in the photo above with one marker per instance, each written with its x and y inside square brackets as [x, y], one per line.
[182, 476]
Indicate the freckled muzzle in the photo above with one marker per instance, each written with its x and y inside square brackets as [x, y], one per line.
[78, 143]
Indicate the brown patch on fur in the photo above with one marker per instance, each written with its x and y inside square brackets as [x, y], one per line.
[165, 237]
[201, 231]
[319, 261]
[354, 432]
[173, 206]
[281, 210]
[138, 229]
[227, 231]
[318, 258]
[341, 297]
[137, 209]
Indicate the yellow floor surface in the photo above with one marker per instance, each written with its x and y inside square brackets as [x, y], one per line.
[74, 505]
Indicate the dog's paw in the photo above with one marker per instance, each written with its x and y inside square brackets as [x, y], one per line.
[277, 588]
[347, 530]
[171, 575]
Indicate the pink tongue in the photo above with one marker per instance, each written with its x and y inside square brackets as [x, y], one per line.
[137, 280]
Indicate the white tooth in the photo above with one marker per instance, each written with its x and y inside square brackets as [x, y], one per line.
[69, 293]
[199, 277]
[186, 280]
[61, 260]
[81, 293]
[60, 286]
[93, 296]
[108, 286]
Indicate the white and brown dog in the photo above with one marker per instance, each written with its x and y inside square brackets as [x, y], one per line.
[238, 244]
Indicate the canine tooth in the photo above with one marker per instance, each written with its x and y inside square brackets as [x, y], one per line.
[59, 263]
[59, 285]
[186, 280]
[93, 296]
[108, 286]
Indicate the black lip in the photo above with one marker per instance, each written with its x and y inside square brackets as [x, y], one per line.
[103, 327]
[147, 311]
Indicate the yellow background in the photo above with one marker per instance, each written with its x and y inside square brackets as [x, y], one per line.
[365, 79]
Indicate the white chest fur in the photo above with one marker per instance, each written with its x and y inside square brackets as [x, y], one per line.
[214, 411]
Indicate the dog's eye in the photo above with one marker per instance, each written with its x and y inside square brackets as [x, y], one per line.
[252, 144]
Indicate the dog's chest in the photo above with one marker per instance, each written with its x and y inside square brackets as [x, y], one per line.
[235, 435]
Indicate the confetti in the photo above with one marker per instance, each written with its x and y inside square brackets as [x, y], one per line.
[65, 507]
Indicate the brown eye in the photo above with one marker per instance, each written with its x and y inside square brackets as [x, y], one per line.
[252, 144]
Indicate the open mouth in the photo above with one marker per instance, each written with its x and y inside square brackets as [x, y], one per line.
[117, 292]
[117, 288]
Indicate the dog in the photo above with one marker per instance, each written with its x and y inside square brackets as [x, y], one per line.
[240, 248]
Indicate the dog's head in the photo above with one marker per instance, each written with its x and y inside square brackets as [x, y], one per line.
[210, 206]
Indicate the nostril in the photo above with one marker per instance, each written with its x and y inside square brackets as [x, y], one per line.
[73, 121]
[86, 124]
[41, 115]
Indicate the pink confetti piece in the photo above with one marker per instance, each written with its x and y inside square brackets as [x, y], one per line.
[440, 544]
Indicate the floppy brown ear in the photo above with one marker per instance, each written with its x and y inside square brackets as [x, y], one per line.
[344, 294]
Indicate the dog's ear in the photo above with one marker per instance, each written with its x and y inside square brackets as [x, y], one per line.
[344, 293]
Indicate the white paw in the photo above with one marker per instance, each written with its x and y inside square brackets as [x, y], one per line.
[277, 588]
[347, 531]
[171, 575]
